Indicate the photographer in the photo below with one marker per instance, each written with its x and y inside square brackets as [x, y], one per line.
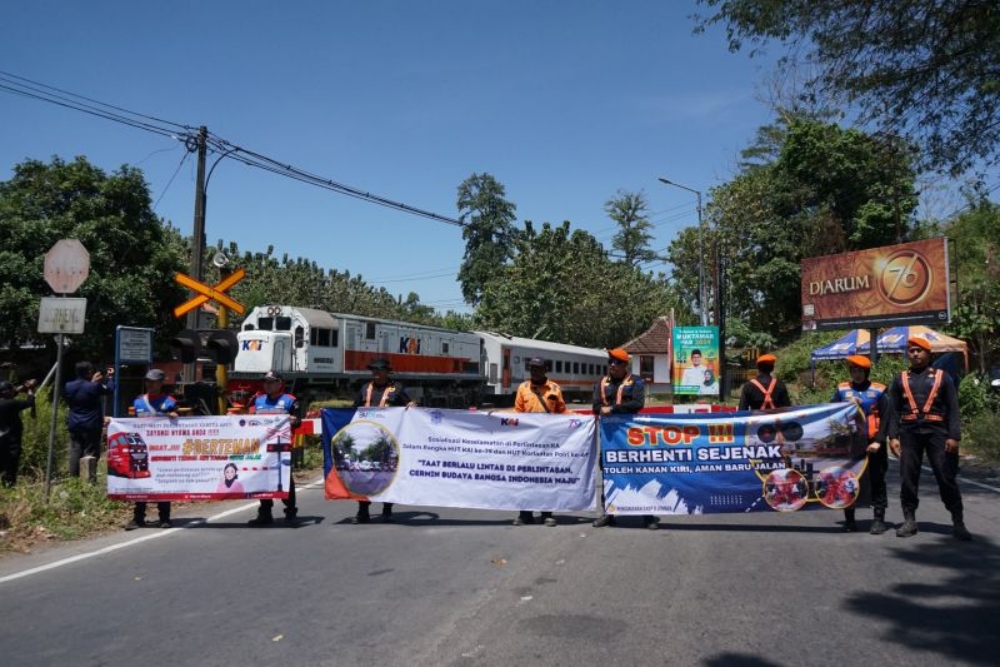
[11, 428]
[85, 395]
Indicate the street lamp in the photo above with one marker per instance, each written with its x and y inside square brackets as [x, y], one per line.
[701, 252]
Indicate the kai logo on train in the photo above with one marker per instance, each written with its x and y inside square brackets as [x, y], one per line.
[252, 346]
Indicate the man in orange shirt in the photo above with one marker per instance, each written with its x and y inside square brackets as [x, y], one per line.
[539, 394]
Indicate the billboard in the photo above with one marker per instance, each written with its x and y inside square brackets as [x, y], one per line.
[696, 361]
[899, 284]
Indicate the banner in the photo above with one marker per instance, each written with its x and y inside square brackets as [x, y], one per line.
[199, 458]
[783, 460]
[460, 458]
[877, 287]
[695, 360]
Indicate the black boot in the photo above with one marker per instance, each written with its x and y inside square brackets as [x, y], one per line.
[909, 525]
[879, 525]
[524, 517]
[386, 512]
[850, 525]
[292, 517]
[362, 516]
[264, 518]
[959, 530]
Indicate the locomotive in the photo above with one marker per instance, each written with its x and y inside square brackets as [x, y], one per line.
[324, 354]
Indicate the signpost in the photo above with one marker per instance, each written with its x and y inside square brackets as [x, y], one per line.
[67, 265]
[133, 345]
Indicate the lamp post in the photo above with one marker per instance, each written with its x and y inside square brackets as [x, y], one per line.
[701, 252]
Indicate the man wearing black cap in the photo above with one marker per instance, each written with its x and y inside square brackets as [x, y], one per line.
[925, 419]
[380, 392]
[84, 396]
[11, 428]
[154, 403]
[539, 394]
[272, 401]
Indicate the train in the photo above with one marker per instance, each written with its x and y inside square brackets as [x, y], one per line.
[323, 355]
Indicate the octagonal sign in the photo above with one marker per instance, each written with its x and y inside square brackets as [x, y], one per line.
[67, 265]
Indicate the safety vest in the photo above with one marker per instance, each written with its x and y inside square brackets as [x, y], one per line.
[925, 413]
[387, 395]
[868, 399]
[768, 403]
[605, 381]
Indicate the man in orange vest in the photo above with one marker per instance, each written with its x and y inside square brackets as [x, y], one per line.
[381, 392]
[764, 392]
[871, 397]
[925, 419]
[539, 394]
[620, 392]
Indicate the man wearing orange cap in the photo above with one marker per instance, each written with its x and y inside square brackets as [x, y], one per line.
[925, 419]
[620, 392]
[871, 397]
[764, 392]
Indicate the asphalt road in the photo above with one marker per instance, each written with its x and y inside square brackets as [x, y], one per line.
[458, 587]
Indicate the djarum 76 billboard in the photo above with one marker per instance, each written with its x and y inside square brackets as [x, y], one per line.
[898, 284]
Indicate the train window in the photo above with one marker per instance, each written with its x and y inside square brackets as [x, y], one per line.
[558, 365]
[265, 323]
[444, 348]
[282, 324]
[334, 338]
[248, 327]
[300, 336]
[320, 337]
[576, 368]
[370, 330]
[493, 373]
[591, 369]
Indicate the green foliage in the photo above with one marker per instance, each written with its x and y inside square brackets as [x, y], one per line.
[35, 442]
[927, 69]
[132, 252]
[979, 435]
[975, 397]
[629, 210]
[489, 233]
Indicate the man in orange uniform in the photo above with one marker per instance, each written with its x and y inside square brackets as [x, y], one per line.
[539, 394]
[925, 419]
[764, 392]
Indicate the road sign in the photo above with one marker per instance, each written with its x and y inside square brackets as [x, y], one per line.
[216, 292]
[135, 345]
[67, 265]
[57, 315]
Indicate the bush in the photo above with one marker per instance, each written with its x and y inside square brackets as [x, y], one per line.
[35, 443]
[980, 436]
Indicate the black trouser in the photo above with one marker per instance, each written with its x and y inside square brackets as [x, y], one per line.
[139, 513]
[267, 504]
[363, 506]
[83, 442]
[878, 465]
[944, 464]
[10, 459]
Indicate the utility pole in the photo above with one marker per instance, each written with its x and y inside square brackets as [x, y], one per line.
[197, 237]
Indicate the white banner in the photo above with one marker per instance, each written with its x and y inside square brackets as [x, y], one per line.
[458, 458]
[199, 458]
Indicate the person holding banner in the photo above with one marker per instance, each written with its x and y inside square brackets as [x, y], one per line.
[273, 401]
[925, 419]
[381, 392]
[764, 392]
[873, 400]
[538, 394]
[154, 403]
[618, 393]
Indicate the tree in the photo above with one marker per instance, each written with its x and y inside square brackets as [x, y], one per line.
[632, 239]
[133, 253]
[489, 232]
[927, 70]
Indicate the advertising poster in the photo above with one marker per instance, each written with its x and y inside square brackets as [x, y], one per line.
[878, 287]
[786, 460]
[696, 361]
[460, 458]
[199, 458]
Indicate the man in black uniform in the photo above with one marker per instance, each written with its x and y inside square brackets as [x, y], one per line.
[925, 419]
[620, 392]
[12, 428]
[764, 392]
[381, 392]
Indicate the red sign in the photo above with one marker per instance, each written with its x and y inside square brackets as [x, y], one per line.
[216, 292]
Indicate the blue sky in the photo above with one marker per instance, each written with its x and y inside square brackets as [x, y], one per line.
[563, 102]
